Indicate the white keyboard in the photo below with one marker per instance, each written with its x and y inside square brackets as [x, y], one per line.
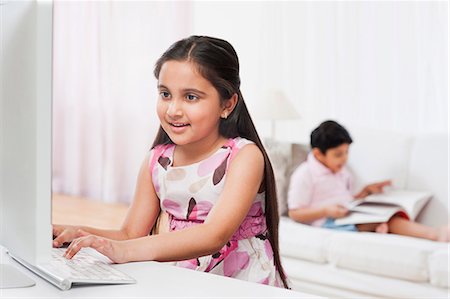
[85, 268]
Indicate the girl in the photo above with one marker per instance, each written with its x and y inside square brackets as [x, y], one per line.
[207, 170]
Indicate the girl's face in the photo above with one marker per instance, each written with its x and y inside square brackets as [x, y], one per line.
[189, 107]
[334, 158]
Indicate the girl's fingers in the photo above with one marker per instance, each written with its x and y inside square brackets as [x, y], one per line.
[102, 245]
[56, 244]
[61, 239]
[77, 244]
[55, 231]
[70, 252]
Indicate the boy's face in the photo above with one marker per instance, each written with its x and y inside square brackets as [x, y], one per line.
[334, 158]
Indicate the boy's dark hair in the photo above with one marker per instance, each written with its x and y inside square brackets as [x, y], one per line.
[218, 62]
[328, 135]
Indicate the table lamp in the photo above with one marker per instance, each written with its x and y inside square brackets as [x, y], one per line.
[275, 106]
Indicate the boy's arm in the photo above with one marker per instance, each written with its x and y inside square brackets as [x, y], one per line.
[308, 215]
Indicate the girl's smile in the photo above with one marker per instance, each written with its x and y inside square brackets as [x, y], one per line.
[178, 128]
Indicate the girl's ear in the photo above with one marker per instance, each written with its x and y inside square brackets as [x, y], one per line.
[228, 106]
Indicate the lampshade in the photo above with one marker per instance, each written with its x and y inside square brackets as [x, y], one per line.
[275, 106]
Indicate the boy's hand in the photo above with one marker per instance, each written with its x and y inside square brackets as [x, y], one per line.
[373, 189]
[377, 187]
[335, 211]
[114, 250]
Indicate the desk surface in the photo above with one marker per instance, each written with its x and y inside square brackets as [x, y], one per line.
[154, 280]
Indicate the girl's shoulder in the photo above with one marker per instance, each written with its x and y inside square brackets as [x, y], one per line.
[239, 142]
[236, 144]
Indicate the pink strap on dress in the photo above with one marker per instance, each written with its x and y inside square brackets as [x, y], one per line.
[234, 149]
[157, 151]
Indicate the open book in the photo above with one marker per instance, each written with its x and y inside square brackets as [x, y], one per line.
[377, 208]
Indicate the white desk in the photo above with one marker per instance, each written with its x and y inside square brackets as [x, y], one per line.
[154, 280]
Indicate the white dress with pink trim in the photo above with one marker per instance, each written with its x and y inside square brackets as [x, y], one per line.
[188, 193]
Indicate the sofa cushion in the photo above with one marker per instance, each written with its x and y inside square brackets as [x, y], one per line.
[332, 282]
[389, 255]
[279, 155]
[438, 263]
[303, 241]
[285, 157]
[428, 171]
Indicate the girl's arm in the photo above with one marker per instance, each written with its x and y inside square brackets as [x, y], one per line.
[140, 218]
[241, 186]
[308, 215]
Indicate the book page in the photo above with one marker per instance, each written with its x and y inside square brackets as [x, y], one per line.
[378, 208]
[369, 214]
[411, 201]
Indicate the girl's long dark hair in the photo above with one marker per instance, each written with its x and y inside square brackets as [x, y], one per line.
[218, 62]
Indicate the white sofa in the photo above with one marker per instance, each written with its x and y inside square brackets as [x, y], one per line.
[348, 264]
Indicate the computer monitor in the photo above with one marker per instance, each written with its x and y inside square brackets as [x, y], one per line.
[25, 133]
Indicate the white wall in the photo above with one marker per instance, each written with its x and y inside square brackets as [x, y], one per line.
[375, 64]
[380, 65]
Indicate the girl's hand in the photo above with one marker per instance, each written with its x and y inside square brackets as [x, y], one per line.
[114, 250]
[335, 211]
[65, 234]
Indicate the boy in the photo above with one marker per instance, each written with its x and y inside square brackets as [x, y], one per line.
[321, 187]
